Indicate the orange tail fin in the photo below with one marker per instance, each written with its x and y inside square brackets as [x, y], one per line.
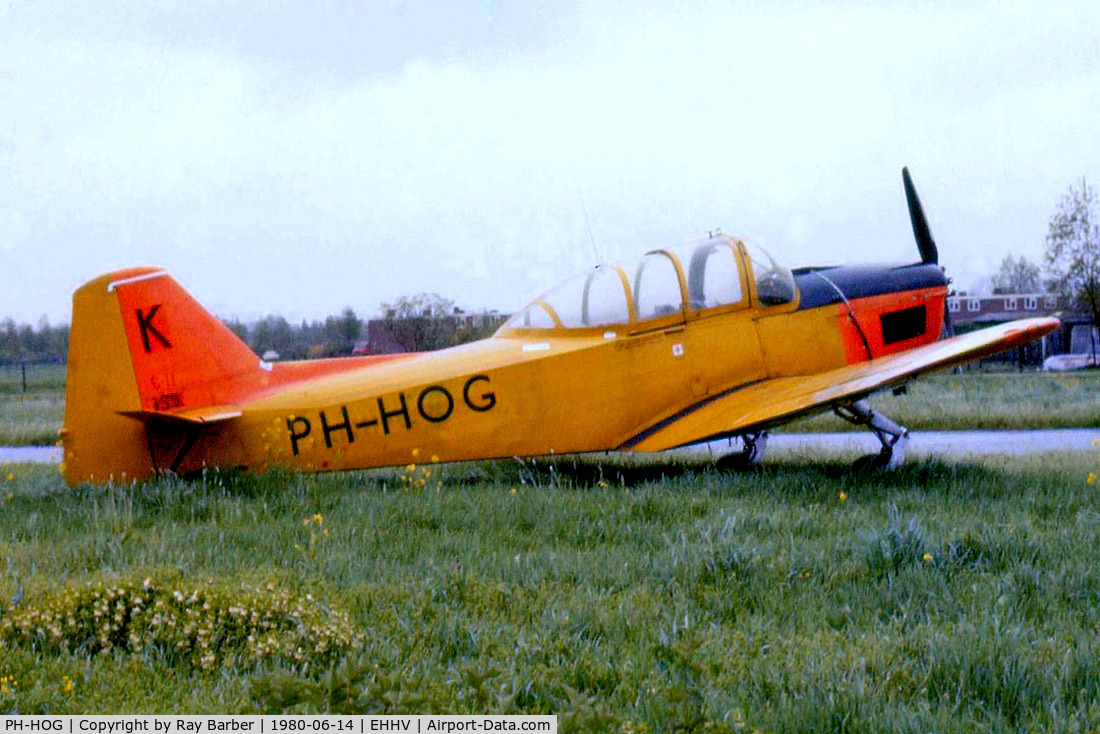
[139, 348]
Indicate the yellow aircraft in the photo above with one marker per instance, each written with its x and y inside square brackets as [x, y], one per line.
[685, 345]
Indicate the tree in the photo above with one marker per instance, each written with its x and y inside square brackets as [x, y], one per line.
[238, 328]
[1073, 251]
[1016, 276]
[421, 323]
[273, 332]
[23, 343]
[343, 331]
[422, 305]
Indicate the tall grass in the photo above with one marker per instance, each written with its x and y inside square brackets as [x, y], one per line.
[30, 420]
[621, 595]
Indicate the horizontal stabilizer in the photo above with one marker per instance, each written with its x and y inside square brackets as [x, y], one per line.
[205, 415]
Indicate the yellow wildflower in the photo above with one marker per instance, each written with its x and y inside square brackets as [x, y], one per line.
[1091, 478]
[843, 496]
[927, 558]
[67, 685]
[318, 518]
[603, 484]
[513, 491]
[410, 468]
[10, 476]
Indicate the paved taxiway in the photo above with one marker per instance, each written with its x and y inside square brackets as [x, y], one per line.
[953, 444]
[948, 444]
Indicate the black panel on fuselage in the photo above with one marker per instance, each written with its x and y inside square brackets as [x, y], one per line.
[861, 281]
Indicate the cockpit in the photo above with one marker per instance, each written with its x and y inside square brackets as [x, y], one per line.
[663, 287]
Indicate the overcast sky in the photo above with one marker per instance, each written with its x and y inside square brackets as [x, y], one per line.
[295, 158]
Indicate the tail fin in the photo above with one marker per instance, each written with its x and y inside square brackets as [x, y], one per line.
[141, 348]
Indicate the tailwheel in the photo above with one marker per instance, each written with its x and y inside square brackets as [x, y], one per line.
[751, 453]
[894, 438]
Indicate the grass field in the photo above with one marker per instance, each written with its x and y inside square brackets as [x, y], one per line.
[985, 400]
[939, 402]
[32, 417]
[622, 596]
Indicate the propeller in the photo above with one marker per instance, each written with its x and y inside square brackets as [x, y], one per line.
[927, 246]
[929, 255]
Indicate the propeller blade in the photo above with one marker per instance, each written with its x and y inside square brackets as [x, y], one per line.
[925, 243]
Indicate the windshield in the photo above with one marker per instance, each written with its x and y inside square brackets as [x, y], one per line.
[774, 282]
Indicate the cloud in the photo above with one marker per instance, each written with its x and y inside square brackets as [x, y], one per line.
[291, 178]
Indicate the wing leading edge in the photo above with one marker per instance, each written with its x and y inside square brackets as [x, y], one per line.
[768, 402]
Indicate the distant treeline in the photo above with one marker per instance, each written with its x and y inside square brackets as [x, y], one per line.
[399, 330]
[333, 337]
[41, 343]
[336, 336]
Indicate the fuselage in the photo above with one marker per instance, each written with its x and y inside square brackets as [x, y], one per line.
[543, 385]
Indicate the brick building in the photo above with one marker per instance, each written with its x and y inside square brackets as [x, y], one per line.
[969, 312]
[999, 308]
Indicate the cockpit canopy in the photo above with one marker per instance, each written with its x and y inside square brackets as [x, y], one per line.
[711, 276]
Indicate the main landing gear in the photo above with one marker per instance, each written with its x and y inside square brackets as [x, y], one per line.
[894, 438]
[752, 451]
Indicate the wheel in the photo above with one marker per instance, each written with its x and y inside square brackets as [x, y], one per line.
[736, 462]
[873, 462]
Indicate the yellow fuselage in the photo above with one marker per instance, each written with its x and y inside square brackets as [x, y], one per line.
[525, 395]
[156, 383]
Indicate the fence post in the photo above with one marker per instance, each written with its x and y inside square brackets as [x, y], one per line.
[24, 366]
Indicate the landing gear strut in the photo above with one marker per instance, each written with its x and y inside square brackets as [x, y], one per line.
[752, 451]
[894, 438]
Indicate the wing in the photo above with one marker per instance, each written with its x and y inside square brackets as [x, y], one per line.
[761, 404]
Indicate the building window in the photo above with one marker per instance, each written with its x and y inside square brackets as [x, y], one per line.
[973, 305]
[1010, 304]
[1031, 303]
[953, 305]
